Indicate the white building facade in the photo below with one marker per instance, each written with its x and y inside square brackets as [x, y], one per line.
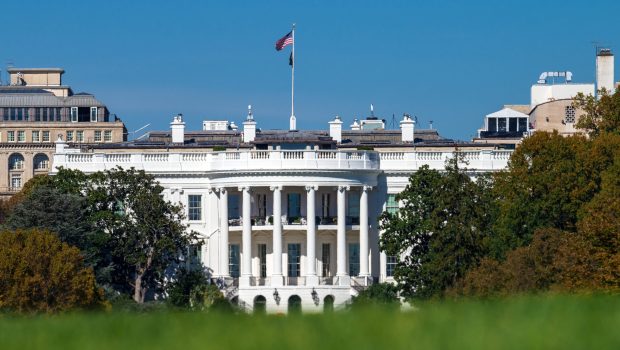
[292, 225]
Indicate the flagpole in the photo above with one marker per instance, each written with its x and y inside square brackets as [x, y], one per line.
[293, 122]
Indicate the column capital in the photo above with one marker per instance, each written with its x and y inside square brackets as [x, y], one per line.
[343, 188]
[312, 187]
[245, 188]
[219, 189]
[366, 188]
[276, 187]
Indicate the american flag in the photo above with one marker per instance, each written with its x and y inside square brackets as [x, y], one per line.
[285, 40]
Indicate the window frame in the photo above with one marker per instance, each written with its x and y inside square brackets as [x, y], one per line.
[74, 115]
[194, 207]
[95, 119]
[293, 262]
[36, 136]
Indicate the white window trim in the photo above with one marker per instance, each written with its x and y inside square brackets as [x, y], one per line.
[8, 136]
[202, 211]
[91, 114]
[72, 115]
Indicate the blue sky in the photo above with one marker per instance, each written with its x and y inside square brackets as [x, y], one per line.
[448, 61]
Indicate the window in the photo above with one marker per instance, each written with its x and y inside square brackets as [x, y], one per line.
[261, 203]
[233, 206]
[41, 162]
[569, 114]
[16, 181]
[233, 260]
[74, 114]
[69, 136]
[20, 113]
[97, 135]
[26, 113]
[37, 114]
[10, 136]
[325, 200]
[294, 260]
[46, 136]
[293, 205]
[325, 258]
[522, 124]
[194, 256]
[107, 135]
[391, 205]
[262, 257]
[16, 162]
[354, 208]
[512, 124]
[354, 259]
[79, 136]
[36, 136]
[5, 114]
[501, 124]
[44, 115]
[390, 265]
[93, 114]
[21, 136]
[194, 207]
[13, 113]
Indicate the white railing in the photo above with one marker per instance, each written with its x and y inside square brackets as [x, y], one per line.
[406, 161]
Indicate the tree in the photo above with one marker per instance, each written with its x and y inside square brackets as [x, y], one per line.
[39, 273]
[145, 232]
[602, 114]
[440, 230]
[181, 287]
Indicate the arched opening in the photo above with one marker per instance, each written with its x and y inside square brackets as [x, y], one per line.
[16, 162]
[260, 305]
[294, 304]
[328, 303]
[41, 162]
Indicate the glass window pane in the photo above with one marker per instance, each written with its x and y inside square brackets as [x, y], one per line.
[354, 259]
[233, 260]
[294, 260]
[194, 207]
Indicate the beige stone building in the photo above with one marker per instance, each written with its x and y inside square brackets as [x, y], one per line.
[35, 110]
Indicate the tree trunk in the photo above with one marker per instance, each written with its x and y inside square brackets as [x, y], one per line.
[138, 294]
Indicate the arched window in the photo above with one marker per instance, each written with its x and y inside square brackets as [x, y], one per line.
[41, 162]
[294, 304]
[16, 162]
[260, 305]
[328, 303]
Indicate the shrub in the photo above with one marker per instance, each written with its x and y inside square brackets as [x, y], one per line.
[39, 273]
[378, 294]
[208, 297]
[184, 282]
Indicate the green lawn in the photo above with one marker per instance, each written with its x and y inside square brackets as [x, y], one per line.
[525, 323]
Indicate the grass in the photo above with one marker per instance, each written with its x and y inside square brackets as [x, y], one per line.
[558, 322]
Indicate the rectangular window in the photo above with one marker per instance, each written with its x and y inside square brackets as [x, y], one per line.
[46, 136]
[353, 208]
[354, 259]
[20, 114]
[10, 136]
[501, 125]
[569, 114]
[512, 124]
[21, 136]
[36, 136]
[26, 114]
[107, 135]
[13, 113]
[97, 135]
[233, 206]
[262, 257]
[93, 114]
[325, 258]
[194, 207]
[5, 114]
[261, 204]
[194, 252]
[79, 136]
[390, 265]
[294, 260]
[44, 115]
[392, 204]
[16, 181]
[69, 136]
[74, 114]
[293, 205]
[325, 201]
[37, 114]
[522, 124]
[233, 260]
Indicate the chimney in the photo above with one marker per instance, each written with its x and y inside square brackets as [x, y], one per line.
[355, 125]
[178, 129]
[335, 129]
[407, 126]
[249, 127]
[60, 145]
[605, 70]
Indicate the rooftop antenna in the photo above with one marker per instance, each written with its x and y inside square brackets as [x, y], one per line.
[372, 110]
[250, 117]
[136, 131]
[431, 125]
[393, 123]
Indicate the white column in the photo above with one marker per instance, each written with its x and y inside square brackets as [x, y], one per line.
[224, 270]
[276, 277]
[364, 272]
[341, 239]
[311, 277]
[246, 247]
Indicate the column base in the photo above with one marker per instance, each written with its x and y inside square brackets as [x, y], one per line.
[344, 280]
[277, 281]
[244, 281]
[312, 280]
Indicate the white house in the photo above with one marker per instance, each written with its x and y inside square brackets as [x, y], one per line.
[289, 218]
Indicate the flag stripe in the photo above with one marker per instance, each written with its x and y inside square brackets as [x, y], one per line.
[284, 41]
